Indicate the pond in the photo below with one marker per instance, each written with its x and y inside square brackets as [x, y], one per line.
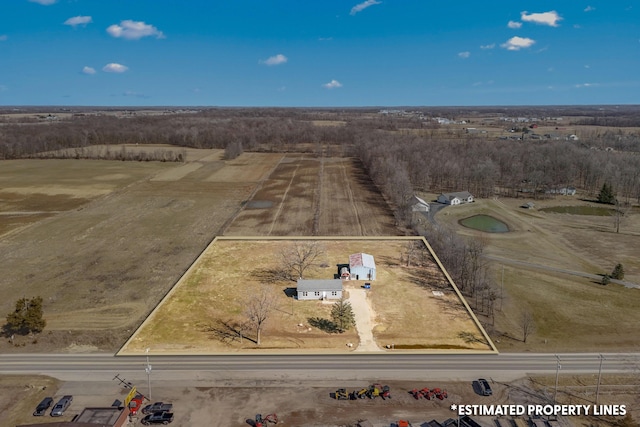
[485, 223]
[580, 210]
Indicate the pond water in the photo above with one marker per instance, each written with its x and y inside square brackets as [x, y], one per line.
[580, 210]
[485, 223]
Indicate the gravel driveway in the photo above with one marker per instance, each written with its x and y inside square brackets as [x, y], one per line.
[364, 318]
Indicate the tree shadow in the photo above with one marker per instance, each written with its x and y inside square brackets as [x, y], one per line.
[325, 325]
[271, 275]
[229, 331]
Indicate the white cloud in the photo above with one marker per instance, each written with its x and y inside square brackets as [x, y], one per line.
[464, 55]
[114, 68]
[88, 70]
[78, 20]
[275, 60]
[581, 85]
[589, 8]
[44, 2]
[332, 84]
[517, 43]
[324, 39]
[550, 18]
[134, 30]
[488, 46]
[514, 24]
[362, 6]
[3, 37]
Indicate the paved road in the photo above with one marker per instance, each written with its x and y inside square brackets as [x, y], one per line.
[387, 366]
[526, 264]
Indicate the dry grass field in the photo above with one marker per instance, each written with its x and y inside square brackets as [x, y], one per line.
[121, 235]
[216, 291]
[571, 313]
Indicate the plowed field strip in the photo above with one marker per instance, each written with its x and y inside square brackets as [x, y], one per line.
[284, 197]
[347, 186]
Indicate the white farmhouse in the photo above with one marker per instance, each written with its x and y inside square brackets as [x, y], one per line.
[455, 198]
[319, 289]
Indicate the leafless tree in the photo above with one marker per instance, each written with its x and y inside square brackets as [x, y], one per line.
[527, 325]
[620, 214]
[412, 253]
[259, 309]
[299, 256]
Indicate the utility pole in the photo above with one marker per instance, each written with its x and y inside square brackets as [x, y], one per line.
[502, 289]
[601, 357]
[147, 369]
[558, 367]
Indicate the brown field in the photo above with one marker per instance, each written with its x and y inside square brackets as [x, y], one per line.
[307, 196]
[121, 235]
[103, 241]
[571, 313]
[408, 314]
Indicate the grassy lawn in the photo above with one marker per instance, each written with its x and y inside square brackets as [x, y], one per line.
[214, 293]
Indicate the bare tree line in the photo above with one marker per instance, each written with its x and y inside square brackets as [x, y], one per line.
[398, 163]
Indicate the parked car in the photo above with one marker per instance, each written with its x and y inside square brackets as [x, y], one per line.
[61, 406]
[485, 388]
[42, 407]
[157, 407]
[158, 418]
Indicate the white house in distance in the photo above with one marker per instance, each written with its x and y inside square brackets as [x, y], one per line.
[319, 289]
[362, 267]
[455, 198]
[419, 205]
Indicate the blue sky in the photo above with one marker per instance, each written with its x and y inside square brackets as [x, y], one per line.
[319, 53]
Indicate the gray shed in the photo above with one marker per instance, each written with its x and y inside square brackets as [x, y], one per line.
[319, 289]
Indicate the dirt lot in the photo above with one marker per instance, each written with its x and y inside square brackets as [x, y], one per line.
[200, 313]
[298, 403]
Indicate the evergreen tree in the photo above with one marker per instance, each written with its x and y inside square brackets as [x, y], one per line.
[27, 316]
[342, 315]
[618, 272]
[606, 194]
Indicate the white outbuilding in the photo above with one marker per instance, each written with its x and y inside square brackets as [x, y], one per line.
[362, 267]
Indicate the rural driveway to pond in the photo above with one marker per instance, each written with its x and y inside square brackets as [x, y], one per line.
[365, 316]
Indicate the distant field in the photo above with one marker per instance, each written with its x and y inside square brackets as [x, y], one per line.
[408, 313]
[312, 196]
[572, 313]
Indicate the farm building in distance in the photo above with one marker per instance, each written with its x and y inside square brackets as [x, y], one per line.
[419, 205]
[455, 198]
[319, 289]
[362, 267]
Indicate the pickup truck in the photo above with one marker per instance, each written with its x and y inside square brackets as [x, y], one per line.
[157, 407]
[158, 418]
